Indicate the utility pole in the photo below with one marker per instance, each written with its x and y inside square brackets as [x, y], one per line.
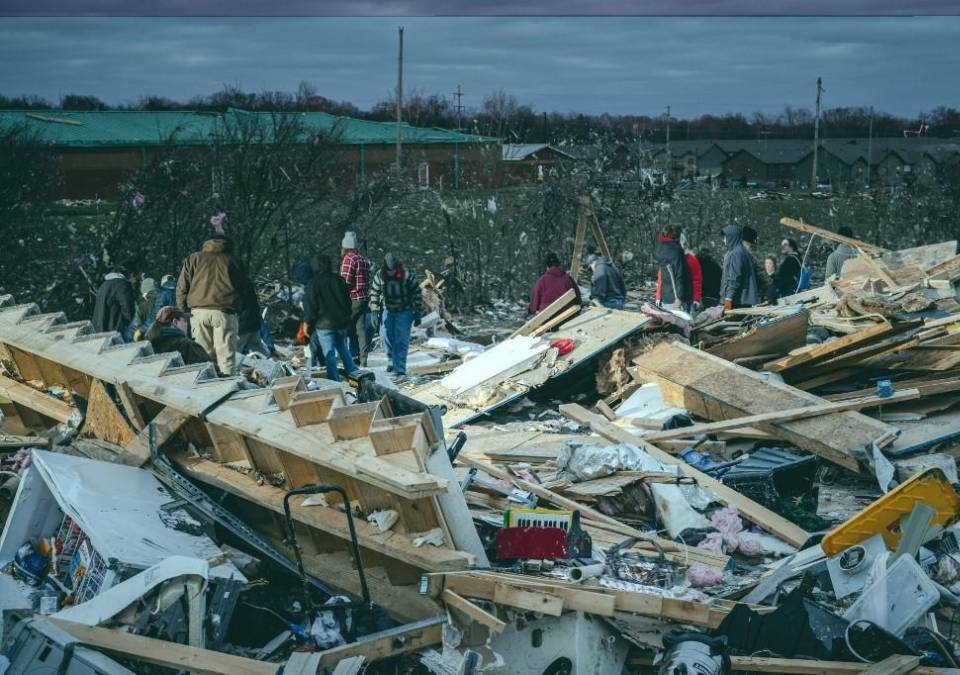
[668, 130]
[399, 96]
[459, 107]
[870, 148]
[816, 136]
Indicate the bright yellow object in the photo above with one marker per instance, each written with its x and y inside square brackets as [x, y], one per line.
[883, 516]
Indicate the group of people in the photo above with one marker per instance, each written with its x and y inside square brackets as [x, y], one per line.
[691, 280]
[343, 310]
[209, 313]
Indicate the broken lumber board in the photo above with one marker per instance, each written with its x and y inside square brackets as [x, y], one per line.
[197, 391]
[38, 401]
[163, 653]
[14, 442]
[925, 385]
[777, 336]
[592, 517]
[831, 236]
[478, 614]
[715, 389]
[546, 313]
[784, 415]
[749, 509]
[388, 643]
[877, 270]
[555, 322]
[330, 520]
[828, 350]
[948, 270]
[167, 423]
[589, 599]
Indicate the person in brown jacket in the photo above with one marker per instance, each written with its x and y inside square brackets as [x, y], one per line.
[209, 288]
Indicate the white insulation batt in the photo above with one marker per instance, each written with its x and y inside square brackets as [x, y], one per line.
[507, 359]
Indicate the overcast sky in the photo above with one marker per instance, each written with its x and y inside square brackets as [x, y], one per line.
[902, 65]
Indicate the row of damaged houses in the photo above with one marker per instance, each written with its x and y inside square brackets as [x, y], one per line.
[789, 162]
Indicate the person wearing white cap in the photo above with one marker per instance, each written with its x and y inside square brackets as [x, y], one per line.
[355, 270]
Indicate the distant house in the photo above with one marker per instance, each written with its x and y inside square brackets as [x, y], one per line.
[785, 162]
[99, 150]
[524, 162]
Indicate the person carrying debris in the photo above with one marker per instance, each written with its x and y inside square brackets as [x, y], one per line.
[841, 254]
[396, 305]
[327, 313]
[674, 284]
[355, 270]
[787, 277]
[551, 285]
[115, 305]
[210, 286]
[607, 287]
[168, 333]
[738, 285]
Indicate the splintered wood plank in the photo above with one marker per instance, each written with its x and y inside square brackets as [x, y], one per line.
[284, 388]
[776, 336]
[165, 424]
[299, 472]
[228, 446]
[533, 601]
[26, 365]
[393, 544]
[130, 405]
[104, 420]
[264, 457]
[478, 614]
[832, 348]
[37, 401]
[546, 313]
[831, 236]
[313, 407]
[353, 421]
[715, 389]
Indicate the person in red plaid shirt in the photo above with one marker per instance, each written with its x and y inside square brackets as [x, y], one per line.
[355, 270]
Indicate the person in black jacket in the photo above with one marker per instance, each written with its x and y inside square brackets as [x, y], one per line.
[327, 312]
[787, 277]
[712, 275]
[115, 306]
[673, 279]
[168, 333]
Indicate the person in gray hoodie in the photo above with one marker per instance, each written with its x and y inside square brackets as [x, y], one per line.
[738, 286]
[841, 254]
[607, 287]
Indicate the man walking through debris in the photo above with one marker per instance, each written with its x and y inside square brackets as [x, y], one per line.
[169, 334]
[841, 254]
[327, 312]
[738, 286]
[210, 284]
[396, 305]
[551, 285]
[115, 306]
[355, 270]
[607, 287]
[674, 284]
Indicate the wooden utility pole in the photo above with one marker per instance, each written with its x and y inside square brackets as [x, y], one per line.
[816, 136]
[870, 148]
[459, 96]
[399, 96]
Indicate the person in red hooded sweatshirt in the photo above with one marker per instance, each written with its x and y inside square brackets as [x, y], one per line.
[696, 275]
[551, 285]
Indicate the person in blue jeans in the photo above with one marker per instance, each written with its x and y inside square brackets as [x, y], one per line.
[607, 287]
[395, 306]
[326, 311]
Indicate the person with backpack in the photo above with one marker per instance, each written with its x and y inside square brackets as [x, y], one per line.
[395, 304]
[674, 288]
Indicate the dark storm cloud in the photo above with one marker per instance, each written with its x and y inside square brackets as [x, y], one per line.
[619, 65]
[473, 7]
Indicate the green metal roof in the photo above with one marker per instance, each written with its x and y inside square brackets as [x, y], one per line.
[117, 128]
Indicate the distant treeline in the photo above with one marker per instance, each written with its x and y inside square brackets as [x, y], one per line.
[501, 114]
